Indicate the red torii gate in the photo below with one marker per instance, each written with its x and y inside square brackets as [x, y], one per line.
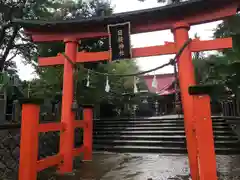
[178, 18]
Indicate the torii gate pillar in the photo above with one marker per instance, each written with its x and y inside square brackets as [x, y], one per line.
[67, 117]
[186, 79]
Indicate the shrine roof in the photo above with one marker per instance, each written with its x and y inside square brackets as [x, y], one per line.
[150, 16]
[164, 82]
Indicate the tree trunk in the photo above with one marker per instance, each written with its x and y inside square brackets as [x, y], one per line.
[9, 47]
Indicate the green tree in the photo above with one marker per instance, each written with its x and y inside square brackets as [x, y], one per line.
[12, 40]
[222, 68]
[230, 28]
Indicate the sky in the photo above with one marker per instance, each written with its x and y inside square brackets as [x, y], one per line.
[205, 32]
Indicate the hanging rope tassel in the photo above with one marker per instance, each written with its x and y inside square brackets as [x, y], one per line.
[107, 87]
[135, 84]
[154, 82]
[88, 79]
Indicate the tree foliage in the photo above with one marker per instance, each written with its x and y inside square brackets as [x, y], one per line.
[222, 68]
[231, 57]
[13, 41]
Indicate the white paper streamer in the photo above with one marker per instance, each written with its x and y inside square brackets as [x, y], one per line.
[135, 85]
[88, 79]
[154, 82]
[107, 87]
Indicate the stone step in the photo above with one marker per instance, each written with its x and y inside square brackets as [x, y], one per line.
[163, 143]
[156, 132]
[149, 122]
[149, 137]
[157, 135]
[158, 149]
[171, 128]
[140, 149]
[149, 118]
[99, 125]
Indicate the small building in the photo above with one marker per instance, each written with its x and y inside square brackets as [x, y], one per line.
[165, 93]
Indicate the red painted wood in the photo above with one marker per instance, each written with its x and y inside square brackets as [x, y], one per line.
[225, 11]
[215, 44]
[208, 15]
[50, 61]
[92, 56]
[87, 134]
[201, 17]
[49, 127]
[169, 48]
[49, 37]
[80, 124]
[49, 162]
[67, 117]
[166, 49]
[186, 78]
[29, 142]
[205, 141]
[78, 151]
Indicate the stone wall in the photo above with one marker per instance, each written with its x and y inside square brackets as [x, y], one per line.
[10, 149]
[9, 154]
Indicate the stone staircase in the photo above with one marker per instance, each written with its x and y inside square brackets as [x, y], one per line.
[156, 135]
